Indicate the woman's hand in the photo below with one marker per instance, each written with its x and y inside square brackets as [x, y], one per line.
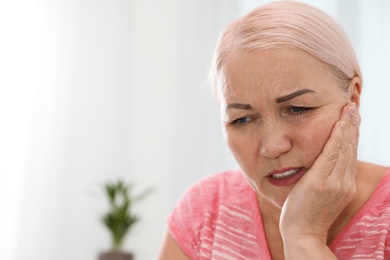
[324, 191]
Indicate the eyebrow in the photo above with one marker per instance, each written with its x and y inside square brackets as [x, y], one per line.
[278, 100]
[238, 106]
[293, 95]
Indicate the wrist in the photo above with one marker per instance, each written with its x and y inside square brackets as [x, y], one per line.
[306, 247]
[293, 234]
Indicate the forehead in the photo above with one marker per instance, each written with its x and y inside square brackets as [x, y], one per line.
[272, 72]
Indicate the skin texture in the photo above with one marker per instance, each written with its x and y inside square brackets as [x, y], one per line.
[273, 137]
[315, 130]
[268, 129]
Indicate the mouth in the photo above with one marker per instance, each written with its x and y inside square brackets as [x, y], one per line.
[285, 177]
[284, 174]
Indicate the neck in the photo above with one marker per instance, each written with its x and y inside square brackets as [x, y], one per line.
[270, 213]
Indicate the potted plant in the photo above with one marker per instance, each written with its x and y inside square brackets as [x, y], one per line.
[120, 217]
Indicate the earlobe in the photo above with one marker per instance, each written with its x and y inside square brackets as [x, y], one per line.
[355, 88]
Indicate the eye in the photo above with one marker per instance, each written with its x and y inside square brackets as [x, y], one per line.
[296, 111]
[242, 121]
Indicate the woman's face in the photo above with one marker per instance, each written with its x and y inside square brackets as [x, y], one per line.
[278, 108]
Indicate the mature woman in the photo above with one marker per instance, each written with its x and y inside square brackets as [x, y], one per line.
[288, 85]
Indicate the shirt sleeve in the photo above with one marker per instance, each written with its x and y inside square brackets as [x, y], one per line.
[186, 221]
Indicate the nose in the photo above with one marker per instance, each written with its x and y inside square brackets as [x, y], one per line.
[275, 140]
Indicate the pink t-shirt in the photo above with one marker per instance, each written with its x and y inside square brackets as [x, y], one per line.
[219, 218]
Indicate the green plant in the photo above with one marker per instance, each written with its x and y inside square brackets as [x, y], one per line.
[120, 217]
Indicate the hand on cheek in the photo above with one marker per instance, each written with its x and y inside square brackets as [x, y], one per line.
[320, 196]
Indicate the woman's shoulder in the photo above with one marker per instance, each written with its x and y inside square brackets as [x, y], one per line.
[228, 181]
[208, 197]
[373, 184]
[368, 231]
[211, 205]
[219, 188]
[380, 198]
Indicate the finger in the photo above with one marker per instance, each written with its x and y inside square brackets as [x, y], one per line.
[330, 153]
[342, 169]
[328, 157]
[354, 141]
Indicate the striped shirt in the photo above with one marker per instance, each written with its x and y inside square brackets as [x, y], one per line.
[219, 218]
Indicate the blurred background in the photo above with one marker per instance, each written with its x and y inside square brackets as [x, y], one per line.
[93, 90]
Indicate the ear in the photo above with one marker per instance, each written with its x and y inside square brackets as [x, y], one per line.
[355, 88]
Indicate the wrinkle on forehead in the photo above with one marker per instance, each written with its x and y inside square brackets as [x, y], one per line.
[228, 89]
[261, 77]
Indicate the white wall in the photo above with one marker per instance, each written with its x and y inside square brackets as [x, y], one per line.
[104, 89]
[93, 89]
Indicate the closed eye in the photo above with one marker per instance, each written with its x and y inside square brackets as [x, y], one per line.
[296, 111]
[240, 122]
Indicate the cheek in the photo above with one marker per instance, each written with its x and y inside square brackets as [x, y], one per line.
[313, 138]
[233, 143]
[242, 147]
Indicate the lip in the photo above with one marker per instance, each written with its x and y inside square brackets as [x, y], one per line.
[288, 180]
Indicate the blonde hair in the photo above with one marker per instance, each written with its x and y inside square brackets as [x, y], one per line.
[289, 25]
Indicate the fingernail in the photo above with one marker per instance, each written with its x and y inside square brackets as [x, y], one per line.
[357, 119]
[342, 125]
[351, 109]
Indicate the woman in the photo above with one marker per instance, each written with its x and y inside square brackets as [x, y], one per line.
[288, 86]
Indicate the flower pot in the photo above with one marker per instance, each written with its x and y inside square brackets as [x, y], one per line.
[115, 256]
